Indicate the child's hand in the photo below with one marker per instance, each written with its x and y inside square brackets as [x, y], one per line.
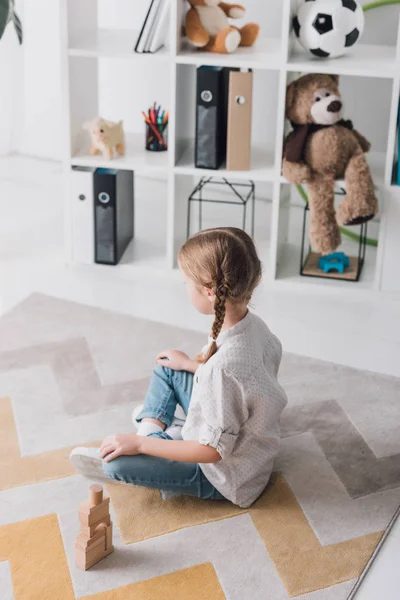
[119, 445]
[175, 360]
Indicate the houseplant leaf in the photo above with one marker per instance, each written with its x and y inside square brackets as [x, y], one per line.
[4, 14]
[15, 19]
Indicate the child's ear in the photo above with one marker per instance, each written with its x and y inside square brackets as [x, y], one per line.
[209, 293]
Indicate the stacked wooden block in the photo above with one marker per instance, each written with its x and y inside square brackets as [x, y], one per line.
[94, 541]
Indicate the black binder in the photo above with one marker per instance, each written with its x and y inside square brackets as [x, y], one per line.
[113, 214]
[211, 116]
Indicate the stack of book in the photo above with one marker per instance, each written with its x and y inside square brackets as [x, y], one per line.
[154, 31]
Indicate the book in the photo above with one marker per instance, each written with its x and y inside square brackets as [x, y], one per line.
[154, 17]
[147, 26]
[238, 151]
[160, 31]
[210, 141]
[398, 148]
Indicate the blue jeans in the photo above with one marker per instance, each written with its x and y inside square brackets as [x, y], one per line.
[167, 389]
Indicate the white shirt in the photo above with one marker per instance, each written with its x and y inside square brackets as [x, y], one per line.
[235, 407]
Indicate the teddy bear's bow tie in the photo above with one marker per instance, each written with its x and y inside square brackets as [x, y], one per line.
[295, 145]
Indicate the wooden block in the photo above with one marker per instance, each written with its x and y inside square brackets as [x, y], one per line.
[95, 556]
[80, 559]
[97, 544]
[91, 529]
[86, 560]
[87, 508]
[91, 542]
[95, 494]
[83, 538]
[94, 541]
[95, 513]
[109, 536]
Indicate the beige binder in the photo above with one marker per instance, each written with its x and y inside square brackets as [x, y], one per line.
[238, 150]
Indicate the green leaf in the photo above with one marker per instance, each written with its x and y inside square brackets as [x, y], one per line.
[18, 27]
[378, 4]
[4, 13]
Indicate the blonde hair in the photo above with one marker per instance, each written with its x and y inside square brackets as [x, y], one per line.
[224, 260]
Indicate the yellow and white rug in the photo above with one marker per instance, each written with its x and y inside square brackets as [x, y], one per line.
[71, 374]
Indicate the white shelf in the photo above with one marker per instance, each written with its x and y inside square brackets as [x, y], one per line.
[288, 274]
[376, 161]
[144, 253]
[364, 60]
[262, 161]
[136, 158]
[275, 61]
[265, 54]
[111, 43]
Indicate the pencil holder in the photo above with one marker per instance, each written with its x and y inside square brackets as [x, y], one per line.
[156, 137]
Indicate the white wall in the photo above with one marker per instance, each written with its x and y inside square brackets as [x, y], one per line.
[11, 68]
[39, 115]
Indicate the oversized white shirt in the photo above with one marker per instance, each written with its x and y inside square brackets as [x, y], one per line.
[235, 407]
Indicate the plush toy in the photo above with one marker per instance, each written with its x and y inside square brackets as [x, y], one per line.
[105, 137]
[321, 148]
[208, 26]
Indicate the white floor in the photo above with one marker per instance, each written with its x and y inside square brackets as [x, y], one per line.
[361, 331]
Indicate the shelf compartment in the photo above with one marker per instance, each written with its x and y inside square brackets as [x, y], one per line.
[265, 101]
[148, 249]
[265, 54]
[288, 271]
[364, 60]
[108, 88]
[221, 208]
[263, 168]
[111, 43]
[375, 97]
[289, 256]
[136, 157]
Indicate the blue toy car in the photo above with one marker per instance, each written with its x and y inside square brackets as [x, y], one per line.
[337, 261]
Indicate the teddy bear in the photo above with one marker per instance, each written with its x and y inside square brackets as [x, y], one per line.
[324, 147]
[208, 26]
[105, 136]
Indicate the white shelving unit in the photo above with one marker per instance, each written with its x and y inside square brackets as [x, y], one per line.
[276, 60]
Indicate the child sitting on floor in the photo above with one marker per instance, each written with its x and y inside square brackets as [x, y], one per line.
[226, 446]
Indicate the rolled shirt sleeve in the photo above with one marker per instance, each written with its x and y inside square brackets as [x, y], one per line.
[224, 411]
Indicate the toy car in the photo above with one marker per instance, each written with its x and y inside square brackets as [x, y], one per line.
[337, 261]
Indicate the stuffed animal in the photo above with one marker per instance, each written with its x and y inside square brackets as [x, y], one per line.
[208, 26]
[105, 137]
[321, 148]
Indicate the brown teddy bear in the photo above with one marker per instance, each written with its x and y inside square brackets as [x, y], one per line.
[208, 26]
[321, 148]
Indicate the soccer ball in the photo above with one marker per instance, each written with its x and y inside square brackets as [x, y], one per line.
[328, 28]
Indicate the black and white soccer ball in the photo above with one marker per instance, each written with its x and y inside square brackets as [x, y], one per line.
[328, 28]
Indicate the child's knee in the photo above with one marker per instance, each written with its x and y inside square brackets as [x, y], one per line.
[163, 372]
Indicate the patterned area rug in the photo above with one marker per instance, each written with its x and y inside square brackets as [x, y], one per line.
[71, 374]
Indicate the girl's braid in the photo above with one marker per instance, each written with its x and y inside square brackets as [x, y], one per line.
[221, 295]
